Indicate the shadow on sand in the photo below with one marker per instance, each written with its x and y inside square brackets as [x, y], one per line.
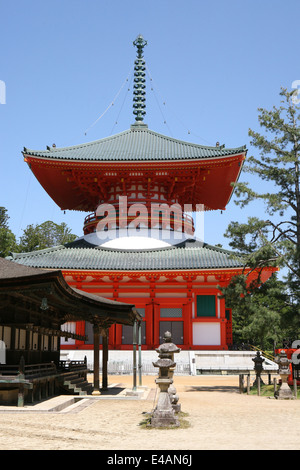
[214, 388]
[113, 390]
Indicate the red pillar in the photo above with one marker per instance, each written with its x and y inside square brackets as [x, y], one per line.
[223, 323]
[187, 320]
[118, 336]
[149, 325]
[80, 330]
[112, 336]
[156, 317]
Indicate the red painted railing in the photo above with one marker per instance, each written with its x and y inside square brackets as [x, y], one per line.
[181, 222]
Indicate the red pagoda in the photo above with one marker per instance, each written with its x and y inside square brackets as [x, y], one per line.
[138, 244]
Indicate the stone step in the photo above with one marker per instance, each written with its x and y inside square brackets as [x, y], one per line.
[76, 384]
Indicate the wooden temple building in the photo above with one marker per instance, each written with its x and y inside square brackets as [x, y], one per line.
[139, 247]
[34, 306]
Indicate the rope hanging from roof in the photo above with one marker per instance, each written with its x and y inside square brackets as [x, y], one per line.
[112, 103]
[139, 92]
[172, 112]
[157, 102]
[128, 89]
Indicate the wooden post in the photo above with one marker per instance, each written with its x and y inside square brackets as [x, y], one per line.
[21, 386]
[248, 384]
[51, 388]
[134, 355]
[22, 366]
[21, 395]
[104, 359]
[39, 391]
[30, 395]
[140, 351]
[241, 382]
[96, 390]
[43, 390]
[295, 388]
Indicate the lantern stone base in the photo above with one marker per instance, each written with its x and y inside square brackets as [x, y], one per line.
[163, 419]
[255, 383]
[164, 414]
[284, 392]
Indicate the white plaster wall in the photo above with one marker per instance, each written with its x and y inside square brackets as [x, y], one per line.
[206, 334]
[71, 328]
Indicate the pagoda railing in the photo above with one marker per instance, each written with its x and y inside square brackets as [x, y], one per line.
[178, 222]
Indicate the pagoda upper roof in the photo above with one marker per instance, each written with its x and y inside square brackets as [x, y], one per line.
[135, 144]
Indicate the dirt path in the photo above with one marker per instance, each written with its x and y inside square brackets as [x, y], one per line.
[219, 417]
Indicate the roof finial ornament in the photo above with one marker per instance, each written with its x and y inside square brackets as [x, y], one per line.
[139, 86]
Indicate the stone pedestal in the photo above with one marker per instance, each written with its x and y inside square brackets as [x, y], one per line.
[258, 379]
[167, 350]
[284, 392]
[164, 415]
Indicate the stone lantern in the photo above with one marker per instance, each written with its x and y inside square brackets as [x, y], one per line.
[258, 367]
[284, 392]
[168, 349]
[164, 414]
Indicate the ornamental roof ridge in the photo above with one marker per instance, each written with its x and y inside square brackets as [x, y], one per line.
[137, 128]
[54, 149]
[190, 243]
[182, 247]
[14, 255]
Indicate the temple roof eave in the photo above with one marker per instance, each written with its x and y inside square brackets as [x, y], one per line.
[135, 145]
[32, 283]
[74, 257]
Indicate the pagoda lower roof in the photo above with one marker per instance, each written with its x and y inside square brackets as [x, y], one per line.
[135, 144]
[80, 255]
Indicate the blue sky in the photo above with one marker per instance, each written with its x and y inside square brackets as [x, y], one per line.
[212, 64]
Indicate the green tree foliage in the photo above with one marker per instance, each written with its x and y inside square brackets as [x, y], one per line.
[262, 314]
[45, 235]
[3, 217]
[7, 238]
[35, 237]
[278, 168]
[274, 238]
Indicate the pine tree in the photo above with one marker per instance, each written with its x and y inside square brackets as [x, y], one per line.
[278, 164]
[7, 238]
[275, 238]
[45, 235]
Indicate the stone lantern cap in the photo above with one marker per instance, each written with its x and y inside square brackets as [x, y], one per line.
[258, 362]
[283, 363]
[167, 347]
[164, 363]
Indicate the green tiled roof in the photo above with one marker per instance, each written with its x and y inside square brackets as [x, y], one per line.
[137, 143]
[89, 257]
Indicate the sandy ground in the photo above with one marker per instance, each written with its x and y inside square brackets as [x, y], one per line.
[220, 418]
